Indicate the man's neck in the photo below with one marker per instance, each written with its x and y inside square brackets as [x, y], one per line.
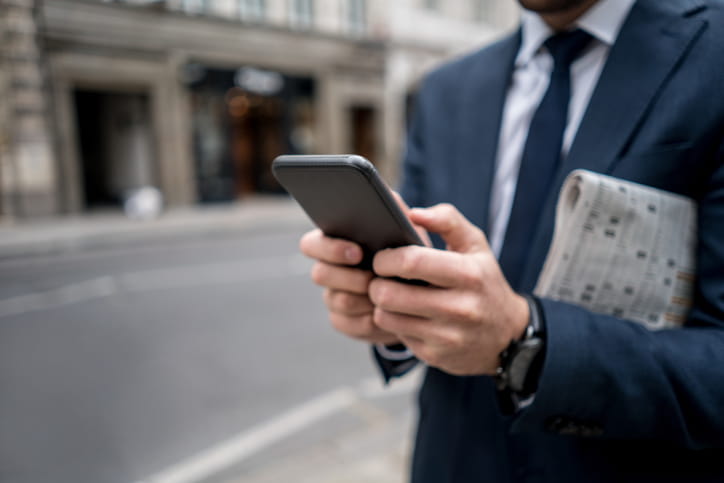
[562, 20]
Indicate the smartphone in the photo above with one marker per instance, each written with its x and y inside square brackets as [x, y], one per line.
[346, 198]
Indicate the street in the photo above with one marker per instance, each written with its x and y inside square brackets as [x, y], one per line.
[123, 363]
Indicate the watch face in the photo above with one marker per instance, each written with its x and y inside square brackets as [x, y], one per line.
[520, 361]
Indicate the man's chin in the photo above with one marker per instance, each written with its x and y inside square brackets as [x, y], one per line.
[550, 6]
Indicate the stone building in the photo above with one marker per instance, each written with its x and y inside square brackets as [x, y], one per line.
[28, 175]
[196, 97]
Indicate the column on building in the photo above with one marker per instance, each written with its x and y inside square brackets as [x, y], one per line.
[27, 165]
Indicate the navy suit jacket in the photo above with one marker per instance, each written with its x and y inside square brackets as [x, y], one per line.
[615, 402]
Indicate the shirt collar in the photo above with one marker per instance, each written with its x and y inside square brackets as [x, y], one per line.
[603, 21]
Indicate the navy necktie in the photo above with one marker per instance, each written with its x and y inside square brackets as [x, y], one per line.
[541, 154]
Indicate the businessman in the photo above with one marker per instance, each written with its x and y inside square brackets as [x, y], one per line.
[520, 388]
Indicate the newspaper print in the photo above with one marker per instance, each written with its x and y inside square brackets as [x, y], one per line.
[622, 249]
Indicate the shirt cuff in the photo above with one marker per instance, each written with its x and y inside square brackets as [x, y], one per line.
[394, 354]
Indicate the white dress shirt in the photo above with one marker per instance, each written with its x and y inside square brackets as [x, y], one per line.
[529, 82]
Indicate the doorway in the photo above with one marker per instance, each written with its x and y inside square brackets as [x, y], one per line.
[364, 141]
[115, 138]
[242, 119]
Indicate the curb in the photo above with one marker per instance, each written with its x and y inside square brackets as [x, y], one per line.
[93, 231]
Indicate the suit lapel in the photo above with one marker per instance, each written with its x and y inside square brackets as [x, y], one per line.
[480, 113]
[650, 46]
[636, 69]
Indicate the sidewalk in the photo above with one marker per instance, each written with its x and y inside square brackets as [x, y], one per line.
[354, 434]
[79, 232]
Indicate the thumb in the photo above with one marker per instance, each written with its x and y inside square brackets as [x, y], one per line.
[444, 219]
[406, 210]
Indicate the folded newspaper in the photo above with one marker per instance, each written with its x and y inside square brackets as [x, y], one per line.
[623, 249]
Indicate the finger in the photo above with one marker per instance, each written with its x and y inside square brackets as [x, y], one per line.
[444, 219]
[438, 267]
[316, 244]
[341, 278]
[403, 325]
[419, 347]
[361, 328]
[348, 303]
[425, 302]
[410, 341]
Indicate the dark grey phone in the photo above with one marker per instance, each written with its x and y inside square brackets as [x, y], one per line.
[345, 197]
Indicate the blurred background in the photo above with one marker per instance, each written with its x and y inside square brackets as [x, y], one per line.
[156, 321]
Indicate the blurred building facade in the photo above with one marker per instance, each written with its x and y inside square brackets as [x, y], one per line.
[196, 97]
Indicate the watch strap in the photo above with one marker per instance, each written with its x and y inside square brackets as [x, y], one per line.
[521, 362]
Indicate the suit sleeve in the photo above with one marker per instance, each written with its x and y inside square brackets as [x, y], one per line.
[412, 191]
[412, 187]
[612, 378]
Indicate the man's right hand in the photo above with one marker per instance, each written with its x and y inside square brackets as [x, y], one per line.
[345, 287]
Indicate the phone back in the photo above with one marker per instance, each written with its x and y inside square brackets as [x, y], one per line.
[345, 198]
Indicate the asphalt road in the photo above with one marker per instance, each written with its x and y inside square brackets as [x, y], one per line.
[118, 362]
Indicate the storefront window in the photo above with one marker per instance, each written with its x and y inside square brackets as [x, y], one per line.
[301, 13]
[242, 120]
[356, 15]
[195, 6]
[252, 10]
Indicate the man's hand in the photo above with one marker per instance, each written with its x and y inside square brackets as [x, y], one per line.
[346, 288]
[468, 316]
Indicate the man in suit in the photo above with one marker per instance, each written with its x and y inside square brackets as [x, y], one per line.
[637, 94]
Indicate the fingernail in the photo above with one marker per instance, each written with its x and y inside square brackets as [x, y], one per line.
[352, 254]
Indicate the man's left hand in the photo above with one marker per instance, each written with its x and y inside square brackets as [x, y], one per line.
[467, 316]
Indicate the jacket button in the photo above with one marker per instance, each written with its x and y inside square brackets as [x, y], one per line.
[569, 427]
[591, 430]
[555, 424]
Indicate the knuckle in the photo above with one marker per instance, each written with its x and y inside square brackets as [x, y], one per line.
[471, 275]
[454, 339]
[364, 327]
[465, 310]
[387, 296]
[447, 209]
[334, 300]
[448, 212]
[489, 266]
[379, 292]
[362, 281]
[319, 273]
[339, 322]
[411, 260]
[328, 298]
[381, 318]
[343, 301]
[432, 357]
[346, 302]
[356, 327]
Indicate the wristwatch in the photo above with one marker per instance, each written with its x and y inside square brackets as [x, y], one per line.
[521, 361]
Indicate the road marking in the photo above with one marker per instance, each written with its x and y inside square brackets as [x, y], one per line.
[188, 276]
[66, 295]
[229, 272]
[229, 454]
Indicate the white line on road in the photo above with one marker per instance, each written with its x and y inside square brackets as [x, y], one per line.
[188, 276]
[230, 453]
[66, 295]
